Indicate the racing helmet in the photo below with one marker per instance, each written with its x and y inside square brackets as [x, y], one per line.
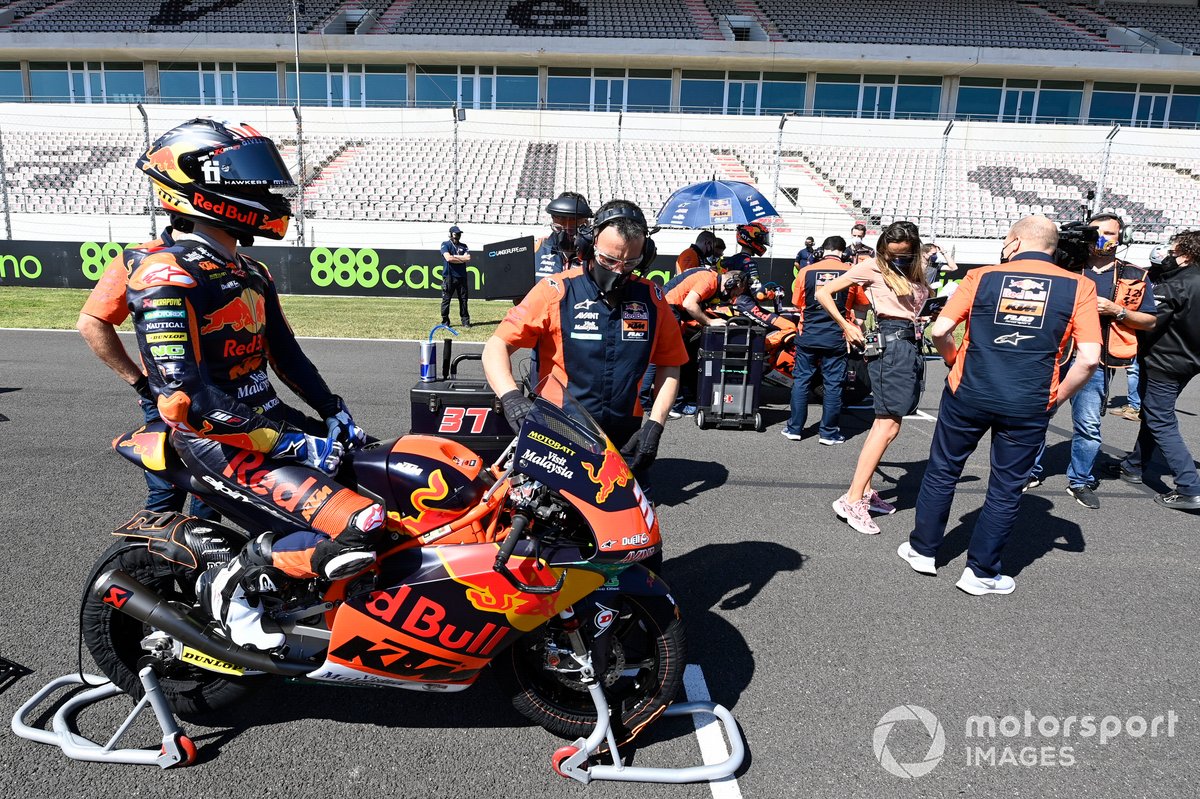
[754, 236]
[226, 175]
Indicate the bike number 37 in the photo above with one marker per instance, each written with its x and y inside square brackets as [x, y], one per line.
[454, 418]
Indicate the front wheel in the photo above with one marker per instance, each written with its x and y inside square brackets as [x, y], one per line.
[119, 643]
[643, 674]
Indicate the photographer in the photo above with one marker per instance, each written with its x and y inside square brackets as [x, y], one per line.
[1125, 305]
[1004, 380]
[894, 284]
[1170, 356]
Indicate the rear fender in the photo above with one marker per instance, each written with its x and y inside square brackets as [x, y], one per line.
[187, 544]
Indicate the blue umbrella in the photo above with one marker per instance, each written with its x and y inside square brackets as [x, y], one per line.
[713, 203]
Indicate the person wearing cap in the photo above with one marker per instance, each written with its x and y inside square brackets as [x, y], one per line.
[806, 256]
[699, 254]
[454, 277]
[557, 252]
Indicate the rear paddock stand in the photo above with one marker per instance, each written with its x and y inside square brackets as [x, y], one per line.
[176, 748]
[572, 761]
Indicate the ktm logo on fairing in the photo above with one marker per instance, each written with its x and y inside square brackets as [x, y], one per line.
[247, 311]
[612, 473]
[117, 597]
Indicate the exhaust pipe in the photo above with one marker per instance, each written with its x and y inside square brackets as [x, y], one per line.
[119, 590]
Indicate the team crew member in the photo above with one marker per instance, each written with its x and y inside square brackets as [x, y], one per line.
[454, 276]
[104, 310]
[699, 254]
[1126, 305]
[858, 250]
[753, 240]
[596, 329]
[808, 255]
[1004, 379]
[1170, 355]
[556, 252]
[894, 285]
[208, 320]
[820, 344]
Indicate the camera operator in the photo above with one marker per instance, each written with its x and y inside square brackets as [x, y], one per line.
[1170, 358]
[1004, 379]
[1126, 305]
[857, 251]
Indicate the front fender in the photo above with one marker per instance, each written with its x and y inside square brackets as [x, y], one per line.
[651, 591]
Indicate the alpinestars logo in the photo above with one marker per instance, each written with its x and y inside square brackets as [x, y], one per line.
[1013, 338]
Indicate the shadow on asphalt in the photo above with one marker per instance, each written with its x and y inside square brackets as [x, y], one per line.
[677, 481]
[1037, 532]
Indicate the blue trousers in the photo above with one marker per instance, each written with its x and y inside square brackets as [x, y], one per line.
[1085, 438]
[163, 496]
[832, 363]
[959, 428]
[1132, 386]
[1160, 430]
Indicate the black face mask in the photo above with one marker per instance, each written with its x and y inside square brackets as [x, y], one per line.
[901, 263]
[607, 281]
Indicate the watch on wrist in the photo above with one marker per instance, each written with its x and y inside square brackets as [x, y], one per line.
[1121, 314]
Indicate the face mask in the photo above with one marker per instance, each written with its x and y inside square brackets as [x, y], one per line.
[1004, 253]
[857, 240]
[901, 263]
[1103, 246]
[606, 280]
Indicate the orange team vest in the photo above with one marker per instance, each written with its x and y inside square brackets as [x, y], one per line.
[1129, 289]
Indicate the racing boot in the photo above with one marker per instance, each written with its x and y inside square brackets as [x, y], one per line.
[235, 596]
[353, 552]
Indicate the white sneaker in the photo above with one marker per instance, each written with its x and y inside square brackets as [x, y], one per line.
[920, 563]
[791, 436]
[978, 586]
[856, 514]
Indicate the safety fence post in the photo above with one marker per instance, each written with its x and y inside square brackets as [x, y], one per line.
[149, 185]
[8, 232]
[939, 198]
[1101, 184]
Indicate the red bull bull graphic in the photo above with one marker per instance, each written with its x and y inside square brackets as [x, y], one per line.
[149, 447]
[247, 311]
[613, 472]
[163, 159]
[277, 226]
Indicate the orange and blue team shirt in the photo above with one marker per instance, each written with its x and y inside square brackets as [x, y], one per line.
[599, 352]
[817, 329]
[1023, 319]
[705, 282]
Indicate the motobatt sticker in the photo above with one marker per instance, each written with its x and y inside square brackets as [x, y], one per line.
[1023, 301]
[635, 329]
[210, 663]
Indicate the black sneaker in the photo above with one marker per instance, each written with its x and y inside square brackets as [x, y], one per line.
[1178, 501]
[1085, 496]
[1034, 481]
[1118, 470]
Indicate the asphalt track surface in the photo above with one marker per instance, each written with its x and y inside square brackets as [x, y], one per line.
[807, 630]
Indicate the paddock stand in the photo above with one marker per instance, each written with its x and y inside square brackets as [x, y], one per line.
[573, 761]
[176, 748]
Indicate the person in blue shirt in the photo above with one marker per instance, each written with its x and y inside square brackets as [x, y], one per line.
[454, 279]
[807, 255]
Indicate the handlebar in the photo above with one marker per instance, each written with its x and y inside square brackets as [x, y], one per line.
[520, 522]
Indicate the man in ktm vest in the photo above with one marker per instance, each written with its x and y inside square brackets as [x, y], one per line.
[1126, 304]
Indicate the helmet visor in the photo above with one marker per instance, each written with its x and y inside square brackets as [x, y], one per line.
[250, 164]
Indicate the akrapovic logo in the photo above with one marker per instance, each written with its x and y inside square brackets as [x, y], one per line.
[509, 251]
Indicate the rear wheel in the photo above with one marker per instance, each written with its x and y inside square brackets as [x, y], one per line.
[642, 677]
[115, 639]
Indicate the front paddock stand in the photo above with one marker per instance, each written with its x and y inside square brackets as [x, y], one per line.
[572, 761]
[176, 748]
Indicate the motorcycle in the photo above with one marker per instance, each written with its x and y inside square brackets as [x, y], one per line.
[533, 566]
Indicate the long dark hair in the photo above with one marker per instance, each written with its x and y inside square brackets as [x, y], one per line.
[902, 232]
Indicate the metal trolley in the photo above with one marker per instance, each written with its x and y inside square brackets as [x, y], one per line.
[730, 380]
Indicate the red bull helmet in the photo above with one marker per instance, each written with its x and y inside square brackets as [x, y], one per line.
[755, 236]
[226, 175]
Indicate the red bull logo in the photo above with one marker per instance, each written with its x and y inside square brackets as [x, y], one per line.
[148, 447]
[277, 226]
[247, 311]
[224, 209]
[613, 472]
[163, 159]
[489, 591]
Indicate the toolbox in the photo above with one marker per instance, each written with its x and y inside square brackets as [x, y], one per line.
[462, 409]
[730, 365]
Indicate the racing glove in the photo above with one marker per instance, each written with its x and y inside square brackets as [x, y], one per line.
[343, 429]
[142, 387]
[324, 454]
[516, 407]
[642, 449]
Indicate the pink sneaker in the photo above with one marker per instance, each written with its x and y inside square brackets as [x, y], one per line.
[879, 506]
[856, 514]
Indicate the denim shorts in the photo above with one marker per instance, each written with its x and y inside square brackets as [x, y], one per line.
[898, 375]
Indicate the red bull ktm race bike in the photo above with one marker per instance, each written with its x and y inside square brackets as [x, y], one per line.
[532, 566]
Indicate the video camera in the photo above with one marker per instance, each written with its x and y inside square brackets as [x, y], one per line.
[1074, 239]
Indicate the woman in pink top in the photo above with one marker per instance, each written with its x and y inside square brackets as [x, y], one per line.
[894, 284]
